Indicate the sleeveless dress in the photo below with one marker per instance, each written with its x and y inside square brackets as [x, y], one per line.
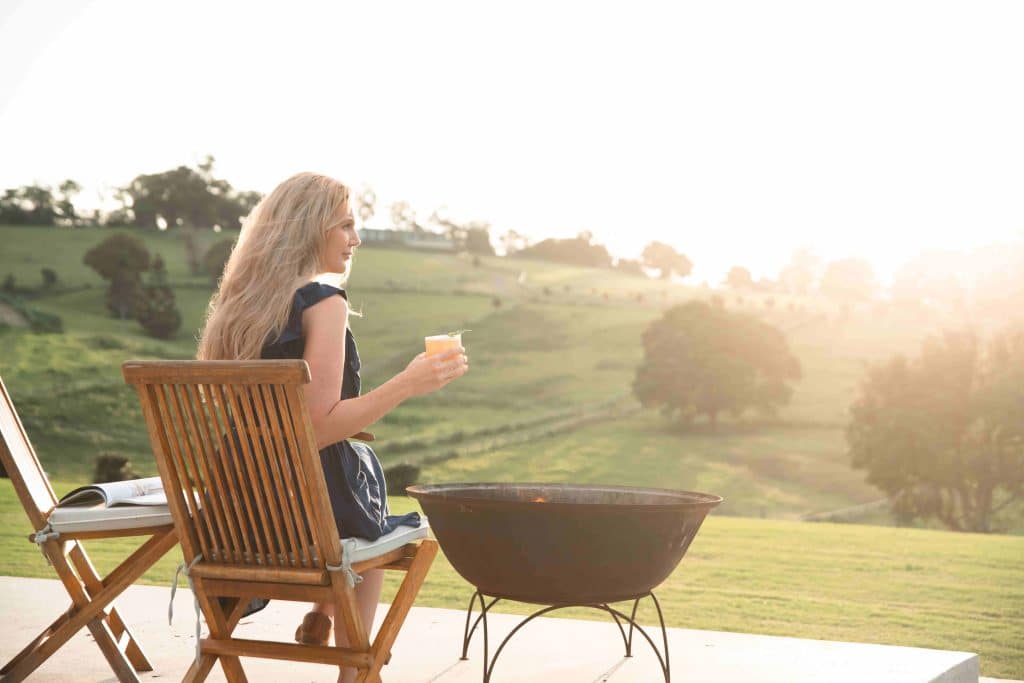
[355, 479]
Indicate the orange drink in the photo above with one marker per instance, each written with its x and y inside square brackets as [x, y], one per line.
[440, 343]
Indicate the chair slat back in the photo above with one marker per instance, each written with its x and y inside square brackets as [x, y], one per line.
[21, 464]
[236, 451]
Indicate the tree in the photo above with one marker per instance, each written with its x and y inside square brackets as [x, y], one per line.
[801, 273]
[849, 281]
[701, 359]
[739, 278]
[472, 236]
[64, 207]
[28, 205]
[580, 251]
[366, 204]
[666, 259]
[630, 267]
[186, 199]
[513, 241]
[156, 310]
[216, 258]
[403, 217]
[943, 434]
[931, 279]
[120, 258]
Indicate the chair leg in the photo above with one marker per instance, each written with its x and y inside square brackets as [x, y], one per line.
[401, 605]
[221, 626]
[101, 633]
[115, 656]
[355, 629]
[28, 649]
[200, 669]
[93, 585]
[85, 610]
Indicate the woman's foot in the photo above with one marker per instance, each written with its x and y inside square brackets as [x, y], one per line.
[315, 629]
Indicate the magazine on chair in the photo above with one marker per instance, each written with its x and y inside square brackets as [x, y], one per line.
[113, 505]
[149, 491]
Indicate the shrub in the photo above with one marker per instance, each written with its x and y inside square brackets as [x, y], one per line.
[156, 310]
[216, 258]
[113, 467]
[49, 277]
[397, 477]
[38, 321]
[107, 342]
[120, 259]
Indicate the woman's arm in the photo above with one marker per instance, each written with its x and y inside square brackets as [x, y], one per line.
[323, 327]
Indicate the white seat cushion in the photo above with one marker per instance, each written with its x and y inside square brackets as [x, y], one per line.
[360, 549]
[99, 518]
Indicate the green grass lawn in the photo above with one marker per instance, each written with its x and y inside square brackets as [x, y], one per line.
[911, 587]
[548, 339]
[778, 471]
[545, 338]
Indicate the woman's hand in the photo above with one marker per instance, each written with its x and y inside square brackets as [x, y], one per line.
[429, 373]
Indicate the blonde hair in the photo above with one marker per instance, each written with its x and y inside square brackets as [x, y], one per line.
[279, 250]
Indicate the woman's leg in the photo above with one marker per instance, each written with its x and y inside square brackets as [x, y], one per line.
[367, 596]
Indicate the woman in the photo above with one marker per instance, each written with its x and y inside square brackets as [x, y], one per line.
[280, 298]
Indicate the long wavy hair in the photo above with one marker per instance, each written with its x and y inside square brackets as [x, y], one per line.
[279, 249]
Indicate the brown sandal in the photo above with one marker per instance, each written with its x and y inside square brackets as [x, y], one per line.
[315, 629]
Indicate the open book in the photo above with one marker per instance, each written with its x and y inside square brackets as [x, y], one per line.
[148, 491]
[114, 505]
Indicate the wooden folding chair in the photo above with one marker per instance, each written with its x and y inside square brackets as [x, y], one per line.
[90, 594]
[235, 441]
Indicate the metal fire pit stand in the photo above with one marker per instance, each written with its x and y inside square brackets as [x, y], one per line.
[604, 607]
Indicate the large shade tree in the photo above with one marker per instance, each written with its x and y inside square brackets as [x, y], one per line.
[187, 199]
[471, 236]
[943, 434]
[701, 359]
[580, 250]
[739, 278]
[40, 205]
[666, 259]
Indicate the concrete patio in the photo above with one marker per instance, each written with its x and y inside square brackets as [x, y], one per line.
[547, 650]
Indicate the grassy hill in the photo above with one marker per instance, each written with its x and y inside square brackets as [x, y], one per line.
[546, 340]
[553, 352]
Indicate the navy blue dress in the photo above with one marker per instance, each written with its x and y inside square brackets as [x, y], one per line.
[355, 479]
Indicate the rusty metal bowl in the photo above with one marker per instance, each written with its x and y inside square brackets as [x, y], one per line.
[563, 544]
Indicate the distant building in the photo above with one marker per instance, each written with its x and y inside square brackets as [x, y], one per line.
[427, 241]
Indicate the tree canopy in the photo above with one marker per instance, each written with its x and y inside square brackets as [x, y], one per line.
[801, 273]
[580, 251]
[471, 236]
[186, 199]
[666, 259]
[849, 281]
[121, 258]
[943, 434]
[739, 278]
[701, 359]
[39, 204]
[190, 197]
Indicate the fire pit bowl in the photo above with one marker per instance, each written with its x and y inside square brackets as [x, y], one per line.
[563, 544]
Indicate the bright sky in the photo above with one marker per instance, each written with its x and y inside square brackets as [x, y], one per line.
[736, 131]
